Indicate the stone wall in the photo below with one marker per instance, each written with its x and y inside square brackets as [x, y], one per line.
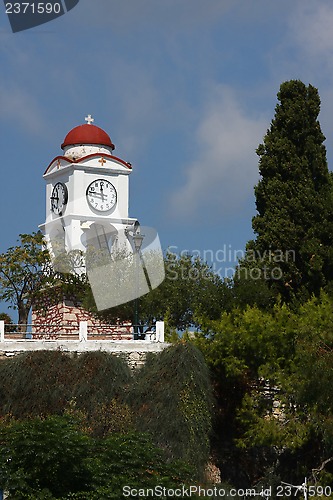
[134, 352]
[63, 319]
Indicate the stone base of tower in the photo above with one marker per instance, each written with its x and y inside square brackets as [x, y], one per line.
[63, 320]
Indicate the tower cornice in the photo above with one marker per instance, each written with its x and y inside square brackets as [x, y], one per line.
[71, 161]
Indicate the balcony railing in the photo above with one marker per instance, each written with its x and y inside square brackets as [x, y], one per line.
[80, 332]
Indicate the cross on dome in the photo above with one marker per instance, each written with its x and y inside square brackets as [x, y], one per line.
[89, 119]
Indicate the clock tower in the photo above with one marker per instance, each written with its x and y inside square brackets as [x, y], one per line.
[87, 206]
[87, 194]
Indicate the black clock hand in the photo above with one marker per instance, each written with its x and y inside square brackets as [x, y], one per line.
[101, 185]
[94, 193]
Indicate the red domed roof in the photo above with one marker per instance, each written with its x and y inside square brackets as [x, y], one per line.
[87, 134]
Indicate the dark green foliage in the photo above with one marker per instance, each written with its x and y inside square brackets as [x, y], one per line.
[172, 399]
[101, 382]
[251, 289]
[294, 197]
[6, 318]
[99, 378]
[35, 383]
[135, 461]
[43, 454]
[243, 349]
[292, 413]
[53, 458]
[47, 382]
[24, 271]
[190, 288]
[9, 327]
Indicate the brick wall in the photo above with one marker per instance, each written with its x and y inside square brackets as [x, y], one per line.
[63, 319]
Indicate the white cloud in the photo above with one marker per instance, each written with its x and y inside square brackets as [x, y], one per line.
[312, 28]
[310, 40]
[219, 182]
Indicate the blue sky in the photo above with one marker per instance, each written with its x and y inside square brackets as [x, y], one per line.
[186, 90]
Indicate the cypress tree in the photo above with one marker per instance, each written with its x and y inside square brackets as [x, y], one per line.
[294, 223]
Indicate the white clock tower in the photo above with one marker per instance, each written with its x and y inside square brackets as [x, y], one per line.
[87, 198]
[87, 194]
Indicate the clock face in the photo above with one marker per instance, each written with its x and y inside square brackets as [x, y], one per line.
[101, 195]
[59, 198]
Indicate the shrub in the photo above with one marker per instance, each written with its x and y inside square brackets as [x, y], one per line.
[172, 399]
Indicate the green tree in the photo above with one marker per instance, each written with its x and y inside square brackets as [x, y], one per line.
[172, 400]
[28, 278]
[294, 223]
[173, 387]
[250, 288]
[8, 322]
[24, 271]
[190, 289]
[45, 383]
[54, 458]
[243, 349]
[290, 418]
[43, 455]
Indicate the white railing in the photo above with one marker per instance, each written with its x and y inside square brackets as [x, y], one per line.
[2, 331]
[82, 333]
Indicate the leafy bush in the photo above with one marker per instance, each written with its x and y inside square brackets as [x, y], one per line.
[9, 326]
[172, 399]
[53, 458]
[36, 383]
[44, 383]
[42, 454]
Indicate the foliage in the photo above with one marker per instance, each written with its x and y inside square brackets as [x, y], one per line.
[243, 349]
[292, 414]
[28, 279]
[54, 458]
[6, 318]
[43, 454]
[102, 374]
[294, 198]
[98, 388]
[248, 342]
[24, 271]
[134, 460]
[272, 374]
[35, 383]
[250, 287]
[190, 288]
[172, 399]
[9, 326]
[101, 382]
[44, 382]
